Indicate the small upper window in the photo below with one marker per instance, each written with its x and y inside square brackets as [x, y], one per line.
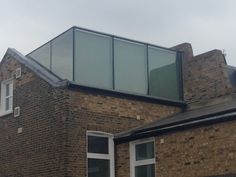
[142, 161]
[100, 154]
[6, 96]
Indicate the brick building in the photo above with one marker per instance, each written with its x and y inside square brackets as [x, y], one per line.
[93, 104]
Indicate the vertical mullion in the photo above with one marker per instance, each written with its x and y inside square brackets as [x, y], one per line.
[147, 70]
[73, 60]
[180, 75]
[113, 64]
[50, 55]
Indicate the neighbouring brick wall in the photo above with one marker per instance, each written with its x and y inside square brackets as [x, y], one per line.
[39, 150]
[91, 111]
[205, 77]
[197, 152]
[122, 164]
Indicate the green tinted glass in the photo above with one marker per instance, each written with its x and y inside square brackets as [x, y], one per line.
[93, 59]
[130, 63]
[163, 77]
[62, 55]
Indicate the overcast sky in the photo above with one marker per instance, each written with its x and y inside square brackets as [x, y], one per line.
[206, 24]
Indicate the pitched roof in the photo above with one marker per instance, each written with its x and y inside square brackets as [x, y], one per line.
[205, 115]
[37, 68]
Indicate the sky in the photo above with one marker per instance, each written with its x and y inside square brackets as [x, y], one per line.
[206, 24]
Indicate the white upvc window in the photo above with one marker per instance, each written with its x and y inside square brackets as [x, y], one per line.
[142, 158]
[100, 154]
[6, 96]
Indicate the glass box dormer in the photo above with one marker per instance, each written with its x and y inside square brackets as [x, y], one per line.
[109, 62]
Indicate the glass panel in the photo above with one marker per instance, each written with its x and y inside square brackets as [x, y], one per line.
[163, 79]
[98, 168]
[145, 171]
[98, 145]
[144, 151]
[7, 104]
[93, 60]
[11, 89]
[130, 66]
[62, 55]
[42, 55]
[10, 102]
[7, 89]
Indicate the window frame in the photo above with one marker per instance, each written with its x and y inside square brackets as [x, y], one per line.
[109, 156]
[135, 163]
[3, 110]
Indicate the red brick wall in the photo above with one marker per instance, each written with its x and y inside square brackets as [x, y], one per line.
[54, 123]
[90, 111]
[196, 152]
[38, 151]
[205, 151]
[205, 77]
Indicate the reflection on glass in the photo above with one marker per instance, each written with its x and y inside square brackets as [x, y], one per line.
[98, 168]
[93, 59]
[62, 55]
[7, 89]
[93, 63]
[42, 55]
[145, 171]
[98, 144]
[163, 79]
[144, 151]
[7, 106]
[130, 66]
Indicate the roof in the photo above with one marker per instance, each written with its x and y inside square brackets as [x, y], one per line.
[210, 114]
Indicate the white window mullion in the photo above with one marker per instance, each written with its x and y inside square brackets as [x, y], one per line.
[101, 156]
[6, 96]
[144, 162]
[98, 156]
[134, 163]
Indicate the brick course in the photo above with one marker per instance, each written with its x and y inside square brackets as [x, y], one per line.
[205, 77]
[38, 150]
[54, 122]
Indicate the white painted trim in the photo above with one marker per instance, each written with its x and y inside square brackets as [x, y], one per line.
[3, 97]
[133, 162]
[18, 73]
[98, 156]
[109, 156]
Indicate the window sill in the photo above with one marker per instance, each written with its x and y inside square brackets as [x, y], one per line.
[5, 113]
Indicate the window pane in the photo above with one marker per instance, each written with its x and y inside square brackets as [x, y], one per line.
[42, 55]
[145, 171]
[163, 79]
[11, 89]
[62, 55]
[98, 168]
[7, 89]
[130, 67]
[98, 145]
[93, 60]
[7, 104]
[10, 102]
[144, 151]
